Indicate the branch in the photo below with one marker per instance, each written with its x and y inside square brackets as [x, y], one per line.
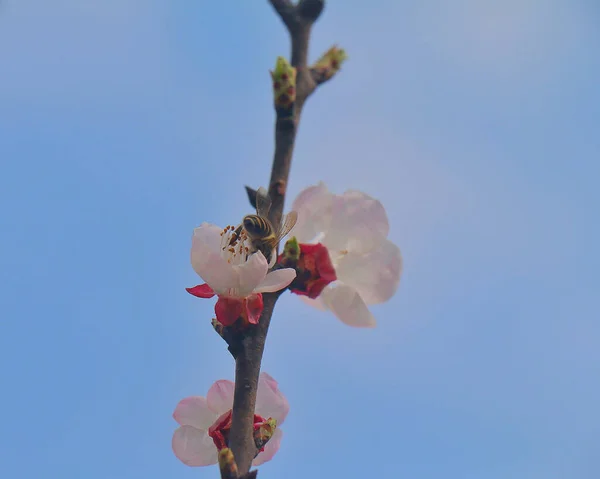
[247, 369]
[285, 9]
[298, 19]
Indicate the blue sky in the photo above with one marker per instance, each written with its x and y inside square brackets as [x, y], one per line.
[125, 124]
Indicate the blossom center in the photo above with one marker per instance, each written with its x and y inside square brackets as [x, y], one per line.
[219, 431]
[313, 266]
[235, 246]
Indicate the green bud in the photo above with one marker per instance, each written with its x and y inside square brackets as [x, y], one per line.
[330, 63]
[284, 84]
[291, 250]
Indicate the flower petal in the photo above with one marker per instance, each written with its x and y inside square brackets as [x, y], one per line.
[375, 275]
[345, 302]
[254, 308]
[194, 411]
[193, 446]
[210, 235]
[314, 303]
[207, 260]
[220, 396]
[270, 402]
[228, 310]
[201, 291]
[358, 223]
[249, 275]
[276, 280]
[313, 205]
[270, 449]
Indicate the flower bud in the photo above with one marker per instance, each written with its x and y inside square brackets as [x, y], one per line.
[263, 432]
[329, 64]
[284, 87]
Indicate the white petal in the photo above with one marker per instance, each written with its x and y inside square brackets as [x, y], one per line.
[276, 280]
[194, 411]
[345, 302]
[220, 396]
[208, 262]
[315, 303]
[194, 447]
[270, 449]
[359, 223]
[210, 235]
[313, 205]
[375, 275]
[270, 402]
[249, 275]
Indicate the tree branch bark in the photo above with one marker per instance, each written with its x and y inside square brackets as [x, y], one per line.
[298, 19]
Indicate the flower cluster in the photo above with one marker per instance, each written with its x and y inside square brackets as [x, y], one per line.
[339, 259]
[205, 422]
[362, 266]
[224, 260]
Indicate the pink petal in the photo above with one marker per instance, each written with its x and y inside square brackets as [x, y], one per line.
[359, 223]
[276, 280]
[228, 310]
[208, 262]
[254, 308]
[375, 275]
[193, 446]
[201, 291]
[270, 401]
[249, 275]
[220, 396]
[270, 449]
[313, 205]
[314, 303]
[345, 302]
[194, 411]
[209, 235]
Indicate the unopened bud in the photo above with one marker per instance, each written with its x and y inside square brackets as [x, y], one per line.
[291, 251]
[263, 432]
[329, 64]
[227, 464]
[284, 86]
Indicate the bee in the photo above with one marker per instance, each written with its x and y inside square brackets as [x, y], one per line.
[263, 235]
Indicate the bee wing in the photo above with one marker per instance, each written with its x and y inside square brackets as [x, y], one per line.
[288, 222]
[263, 202]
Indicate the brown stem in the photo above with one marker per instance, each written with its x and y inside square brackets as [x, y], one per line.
[298, 20]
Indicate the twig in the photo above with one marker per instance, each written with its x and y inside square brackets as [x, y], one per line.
[298, 19]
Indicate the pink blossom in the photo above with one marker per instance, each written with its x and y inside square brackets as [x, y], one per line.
[233, 272]
[205, 421]
[354, 228]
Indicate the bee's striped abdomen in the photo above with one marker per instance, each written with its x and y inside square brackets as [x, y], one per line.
[257, 226]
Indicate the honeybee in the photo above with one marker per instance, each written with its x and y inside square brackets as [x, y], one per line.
[263, 235]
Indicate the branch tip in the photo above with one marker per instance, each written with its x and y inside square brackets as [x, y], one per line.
[310, 9]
